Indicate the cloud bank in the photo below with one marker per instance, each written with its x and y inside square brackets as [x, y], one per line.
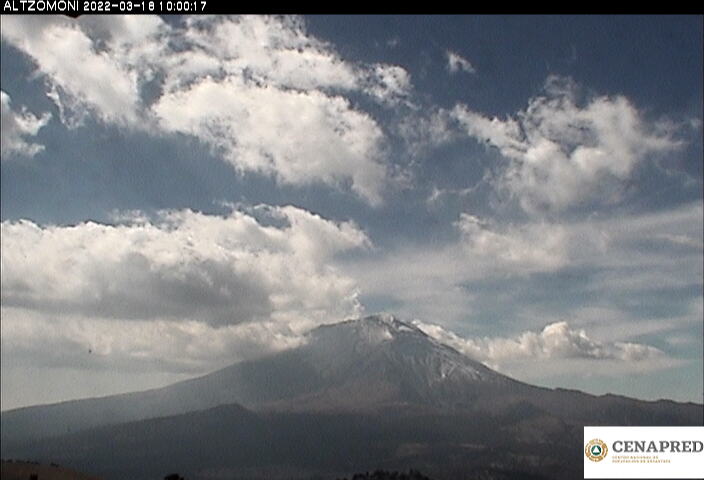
[556, 341]
[518, 273]
[183, 287]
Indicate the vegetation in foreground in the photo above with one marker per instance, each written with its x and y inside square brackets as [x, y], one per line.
[384, 475]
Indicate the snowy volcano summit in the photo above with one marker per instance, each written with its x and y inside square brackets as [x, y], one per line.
[355, 365]
[389, 356]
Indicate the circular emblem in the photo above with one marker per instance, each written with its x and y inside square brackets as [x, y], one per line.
[596, 450]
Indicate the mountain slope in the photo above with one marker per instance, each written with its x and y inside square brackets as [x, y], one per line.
[230, 442]
[358, 395]
[509, 441]
[351, 365]
[354, 366]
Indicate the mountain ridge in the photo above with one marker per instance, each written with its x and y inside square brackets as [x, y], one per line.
[358, 395]
[376, 369]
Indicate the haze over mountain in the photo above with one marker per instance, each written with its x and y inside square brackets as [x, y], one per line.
[357, 395]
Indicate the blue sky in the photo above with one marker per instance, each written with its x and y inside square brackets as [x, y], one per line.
[182, 193]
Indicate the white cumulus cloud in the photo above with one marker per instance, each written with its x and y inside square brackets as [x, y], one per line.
[298, 137]
[218, 270]
[16, 127]
[526, 248]
[457, 63]
[82, 78]
[556, 341]
[561, 151]
[185, 289]
[261, 91]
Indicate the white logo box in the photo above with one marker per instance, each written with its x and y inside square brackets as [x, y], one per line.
[646, 452]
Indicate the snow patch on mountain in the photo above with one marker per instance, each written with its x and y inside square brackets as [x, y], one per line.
[403, 350]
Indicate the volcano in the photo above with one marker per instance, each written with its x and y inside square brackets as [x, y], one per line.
[369, 393]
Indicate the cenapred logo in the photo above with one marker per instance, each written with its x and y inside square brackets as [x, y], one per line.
[596, 450]
[643, 452]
